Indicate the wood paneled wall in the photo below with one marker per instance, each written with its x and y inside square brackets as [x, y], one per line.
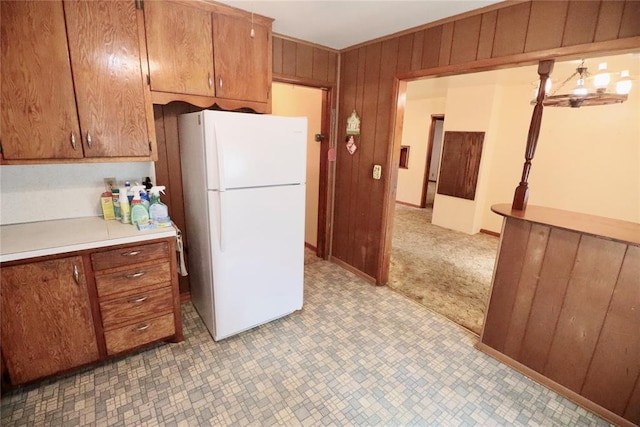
[504, 34]
[293, 59]
[567, 305]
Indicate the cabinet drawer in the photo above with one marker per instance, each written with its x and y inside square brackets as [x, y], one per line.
[128, 337]
[130, 281]
[131, 255]
[136, 308]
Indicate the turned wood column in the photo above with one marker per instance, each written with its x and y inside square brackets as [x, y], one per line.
[522, 191]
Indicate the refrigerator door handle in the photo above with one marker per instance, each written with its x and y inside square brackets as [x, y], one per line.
[222, 215]
[220, 156]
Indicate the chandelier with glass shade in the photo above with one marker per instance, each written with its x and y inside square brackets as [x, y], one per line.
[589, 89]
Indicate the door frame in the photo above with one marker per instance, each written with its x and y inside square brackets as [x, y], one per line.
[326, 174]
[425, 182]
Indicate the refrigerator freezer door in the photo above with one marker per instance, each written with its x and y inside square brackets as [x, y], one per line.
[259, 256]
[251, 150]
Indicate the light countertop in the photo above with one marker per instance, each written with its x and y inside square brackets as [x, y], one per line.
[35, 239]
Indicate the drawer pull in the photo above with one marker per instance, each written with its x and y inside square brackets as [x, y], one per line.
[138, 300]
[76, 274]
[142, 327]
[132, 253]
[135, 275]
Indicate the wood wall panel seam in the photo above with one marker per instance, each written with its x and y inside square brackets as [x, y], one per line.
[604, 321]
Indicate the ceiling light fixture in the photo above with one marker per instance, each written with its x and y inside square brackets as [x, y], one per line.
[583, 95]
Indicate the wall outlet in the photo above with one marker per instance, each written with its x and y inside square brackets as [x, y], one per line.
[377, 171]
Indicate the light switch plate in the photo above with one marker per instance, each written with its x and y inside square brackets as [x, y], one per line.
[377, 171]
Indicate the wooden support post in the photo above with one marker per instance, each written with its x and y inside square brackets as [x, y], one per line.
[522, 191]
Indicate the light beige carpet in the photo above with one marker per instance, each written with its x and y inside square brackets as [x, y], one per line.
[447, 271]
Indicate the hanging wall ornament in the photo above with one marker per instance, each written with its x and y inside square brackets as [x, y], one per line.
[351, 145]
[353, 124]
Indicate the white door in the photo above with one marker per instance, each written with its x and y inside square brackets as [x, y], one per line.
[258, 256]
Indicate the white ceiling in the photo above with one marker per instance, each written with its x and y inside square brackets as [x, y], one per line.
[340, 24]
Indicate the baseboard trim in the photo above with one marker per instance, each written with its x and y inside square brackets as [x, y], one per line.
[489, 232]
[354, 270]
[550, 384]
[409, 204]
[310, 246]
[185, 296]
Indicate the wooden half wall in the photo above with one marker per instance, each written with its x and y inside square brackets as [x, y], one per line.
[501, 35]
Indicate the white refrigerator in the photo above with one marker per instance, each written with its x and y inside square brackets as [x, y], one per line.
[244, 191]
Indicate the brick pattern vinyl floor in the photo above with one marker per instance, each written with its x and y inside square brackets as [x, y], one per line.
[355, 355]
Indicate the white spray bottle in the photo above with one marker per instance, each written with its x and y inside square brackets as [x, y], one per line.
[139, 213]
[158, 211]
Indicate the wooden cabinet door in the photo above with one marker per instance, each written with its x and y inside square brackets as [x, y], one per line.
[39, 117]
[46, 325]
[180, 48]
[241, 62]
[105, 54]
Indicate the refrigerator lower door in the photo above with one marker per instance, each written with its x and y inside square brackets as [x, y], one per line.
[258, 256]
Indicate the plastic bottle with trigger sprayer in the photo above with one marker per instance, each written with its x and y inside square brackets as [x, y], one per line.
[158, 211]
[139, 212]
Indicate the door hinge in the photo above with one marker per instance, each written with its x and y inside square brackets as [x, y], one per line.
[150, 150]
[139, 4]
[148, 80]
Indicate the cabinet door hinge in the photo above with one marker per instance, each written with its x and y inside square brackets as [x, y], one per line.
[139, 4]
[150, 150]
[148, 80]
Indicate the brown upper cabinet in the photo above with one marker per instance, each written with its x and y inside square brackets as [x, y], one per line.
[205, 53]
[180, 48]
[242, 59]
[72, 82]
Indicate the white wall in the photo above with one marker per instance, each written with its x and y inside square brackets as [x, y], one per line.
[462, 114]
[415, 133]
[46, 192]
[301, 101]
[587, 159]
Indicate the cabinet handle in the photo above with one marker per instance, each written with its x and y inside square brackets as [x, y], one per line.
[220, 82]
[210, 80]
[76, 274]
[138, 300]
[132, 253]
[73, 140]
[89, 142]
[142, 327]
[135, 275]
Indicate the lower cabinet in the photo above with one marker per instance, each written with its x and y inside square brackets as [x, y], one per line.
[47, 325]
[66, 312]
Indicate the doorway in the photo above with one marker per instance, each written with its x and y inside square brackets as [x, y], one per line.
[432, 167]
[303, 101]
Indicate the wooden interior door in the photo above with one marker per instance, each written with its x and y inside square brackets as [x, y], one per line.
[39, 116]
[180, 48]
[46, 326]
[241, 62]
[105, 54]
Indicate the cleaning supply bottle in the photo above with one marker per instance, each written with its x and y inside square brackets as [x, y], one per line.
[116, 203]
[139, 213]
[125, 211]
[158, 211]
